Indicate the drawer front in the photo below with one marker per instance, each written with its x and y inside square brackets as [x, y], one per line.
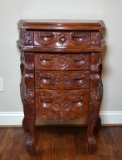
[47, 61]
[62, 79]
[62, 105]
[65, 39]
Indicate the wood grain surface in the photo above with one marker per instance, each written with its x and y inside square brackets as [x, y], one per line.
[61, 143]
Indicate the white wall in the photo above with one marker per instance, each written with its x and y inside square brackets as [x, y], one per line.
[12, 10]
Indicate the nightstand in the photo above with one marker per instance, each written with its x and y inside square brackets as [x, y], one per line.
[61, 73]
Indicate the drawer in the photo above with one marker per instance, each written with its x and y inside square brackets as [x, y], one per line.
[62, 79]
[55, 61]
[62, 105]
[67, 39]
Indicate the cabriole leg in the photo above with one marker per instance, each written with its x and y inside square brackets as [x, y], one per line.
[96, 91]
[30, 142]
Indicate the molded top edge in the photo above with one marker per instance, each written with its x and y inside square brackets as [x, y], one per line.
[49, 24]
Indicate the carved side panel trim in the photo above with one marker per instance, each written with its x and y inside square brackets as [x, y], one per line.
[27, 83]
[96, 88]
[95, 38]
[26, 37]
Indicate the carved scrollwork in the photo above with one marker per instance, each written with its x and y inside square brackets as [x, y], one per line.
[44, 38]
[95, 62]
[96, 88]
[26, 37]
[79, 79]
[27, 63]
[61, 105]
[95, 38]
[46, 97]
[80, 59]
[27, 83]
[82, 38]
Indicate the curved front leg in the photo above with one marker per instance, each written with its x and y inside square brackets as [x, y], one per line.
[96, 91]
[30, 128]
[92, 124]
[30, 142]
[92, 144]
[29, 125]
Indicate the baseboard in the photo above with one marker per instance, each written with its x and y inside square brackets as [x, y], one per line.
[11, 118]
[15, 118]
[111, 117]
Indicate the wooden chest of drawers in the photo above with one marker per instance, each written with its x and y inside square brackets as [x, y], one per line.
[61, 73]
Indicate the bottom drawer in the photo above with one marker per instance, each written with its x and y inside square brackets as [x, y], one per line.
[61, 105]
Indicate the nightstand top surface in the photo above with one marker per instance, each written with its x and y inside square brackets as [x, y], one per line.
[50, 24]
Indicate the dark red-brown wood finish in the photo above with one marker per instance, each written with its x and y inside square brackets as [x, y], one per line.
[61, 73]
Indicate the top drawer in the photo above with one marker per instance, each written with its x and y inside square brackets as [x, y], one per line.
[60, 39]
[56, 61]
[61, 36]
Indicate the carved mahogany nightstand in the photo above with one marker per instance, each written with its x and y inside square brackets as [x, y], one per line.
[61, 73]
